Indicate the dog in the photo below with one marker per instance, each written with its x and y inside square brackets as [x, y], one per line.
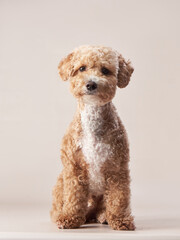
[94, 185]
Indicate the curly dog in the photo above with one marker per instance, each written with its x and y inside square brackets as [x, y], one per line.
[94, 184]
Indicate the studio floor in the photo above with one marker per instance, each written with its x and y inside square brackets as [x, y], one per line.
[33, 222]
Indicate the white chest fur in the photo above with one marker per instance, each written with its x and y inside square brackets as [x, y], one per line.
[94, 149]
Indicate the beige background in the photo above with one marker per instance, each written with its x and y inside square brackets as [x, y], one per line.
[36, 106]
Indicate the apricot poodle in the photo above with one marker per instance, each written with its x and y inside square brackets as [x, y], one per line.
[94, 184]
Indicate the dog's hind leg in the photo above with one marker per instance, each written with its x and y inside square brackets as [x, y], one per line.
[57, 204]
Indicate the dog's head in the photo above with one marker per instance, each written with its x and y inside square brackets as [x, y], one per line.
[94, 73]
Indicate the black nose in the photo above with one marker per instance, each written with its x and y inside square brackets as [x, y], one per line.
[91, 86]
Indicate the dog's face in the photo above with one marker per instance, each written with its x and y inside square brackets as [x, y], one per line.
[94, 73]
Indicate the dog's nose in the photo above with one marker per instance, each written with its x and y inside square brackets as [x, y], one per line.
[91, 86]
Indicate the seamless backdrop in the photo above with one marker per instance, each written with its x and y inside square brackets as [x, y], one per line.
[36, 106]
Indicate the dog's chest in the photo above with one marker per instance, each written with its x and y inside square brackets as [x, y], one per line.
[95, 151]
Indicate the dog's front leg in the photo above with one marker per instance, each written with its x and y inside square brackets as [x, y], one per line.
[75, 196]
[118, 210]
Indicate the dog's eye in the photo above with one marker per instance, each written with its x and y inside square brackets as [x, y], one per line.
[105, 71]
[82, 68]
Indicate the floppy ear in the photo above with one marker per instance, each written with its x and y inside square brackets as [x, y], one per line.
[124, 72]
[65, 67]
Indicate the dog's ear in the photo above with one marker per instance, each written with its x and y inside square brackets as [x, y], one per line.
[65, 67]
[124, 72]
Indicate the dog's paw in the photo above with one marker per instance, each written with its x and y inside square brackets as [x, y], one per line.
[68, 222]
[126, 223]
[101, 218]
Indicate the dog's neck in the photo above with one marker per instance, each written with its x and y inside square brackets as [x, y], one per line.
[97, 120]
[93, 107]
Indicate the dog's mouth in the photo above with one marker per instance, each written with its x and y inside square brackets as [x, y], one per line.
[90, 92]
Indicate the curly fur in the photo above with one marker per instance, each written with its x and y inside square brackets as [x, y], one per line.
[95, 183]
